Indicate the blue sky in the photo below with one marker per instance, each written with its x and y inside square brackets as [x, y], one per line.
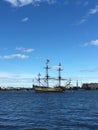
[32, 31]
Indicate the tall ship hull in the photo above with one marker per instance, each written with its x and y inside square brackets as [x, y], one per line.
[48, 89]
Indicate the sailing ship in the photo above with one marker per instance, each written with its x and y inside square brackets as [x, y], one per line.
[40, 87]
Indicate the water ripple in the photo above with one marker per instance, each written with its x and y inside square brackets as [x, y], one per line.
[26, 110]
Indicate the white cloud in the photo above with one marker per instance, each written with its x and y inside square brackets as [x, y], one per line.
[18, 55]
[25, 2]
[16, 75]
[93, 42]
[21, 56]
[12, 2]
[16, 79]
[86, 3]
[82, 21]
[19, 3]
[90, 12]
[90, 70]
[85, 44]
[25, 19]
[24, 49]
[93, 11]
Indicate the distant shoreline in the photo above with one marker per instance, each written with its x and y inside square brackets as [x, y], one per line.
[27, 89]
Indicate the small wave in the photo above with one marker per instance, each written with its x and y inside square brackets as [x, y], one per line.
[36, 129]
[8, 127]
[90, 126]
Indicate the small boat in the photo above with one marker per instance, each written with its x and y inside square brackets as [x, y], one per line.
[46, 88]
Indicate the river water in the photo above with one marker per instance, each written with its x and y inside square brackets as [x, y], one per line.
[27, 110]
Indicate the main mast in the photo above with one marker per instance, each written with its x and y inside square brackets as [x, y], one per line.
[47, 75]
[59, 74]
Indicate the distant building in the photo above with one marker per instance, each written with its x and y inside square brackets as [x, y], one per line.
[89, 86]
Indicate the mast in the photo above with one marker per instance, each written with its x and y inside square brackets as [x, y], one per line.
[59, 74]
[39, 78]
[77, 83]
[47, 75]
